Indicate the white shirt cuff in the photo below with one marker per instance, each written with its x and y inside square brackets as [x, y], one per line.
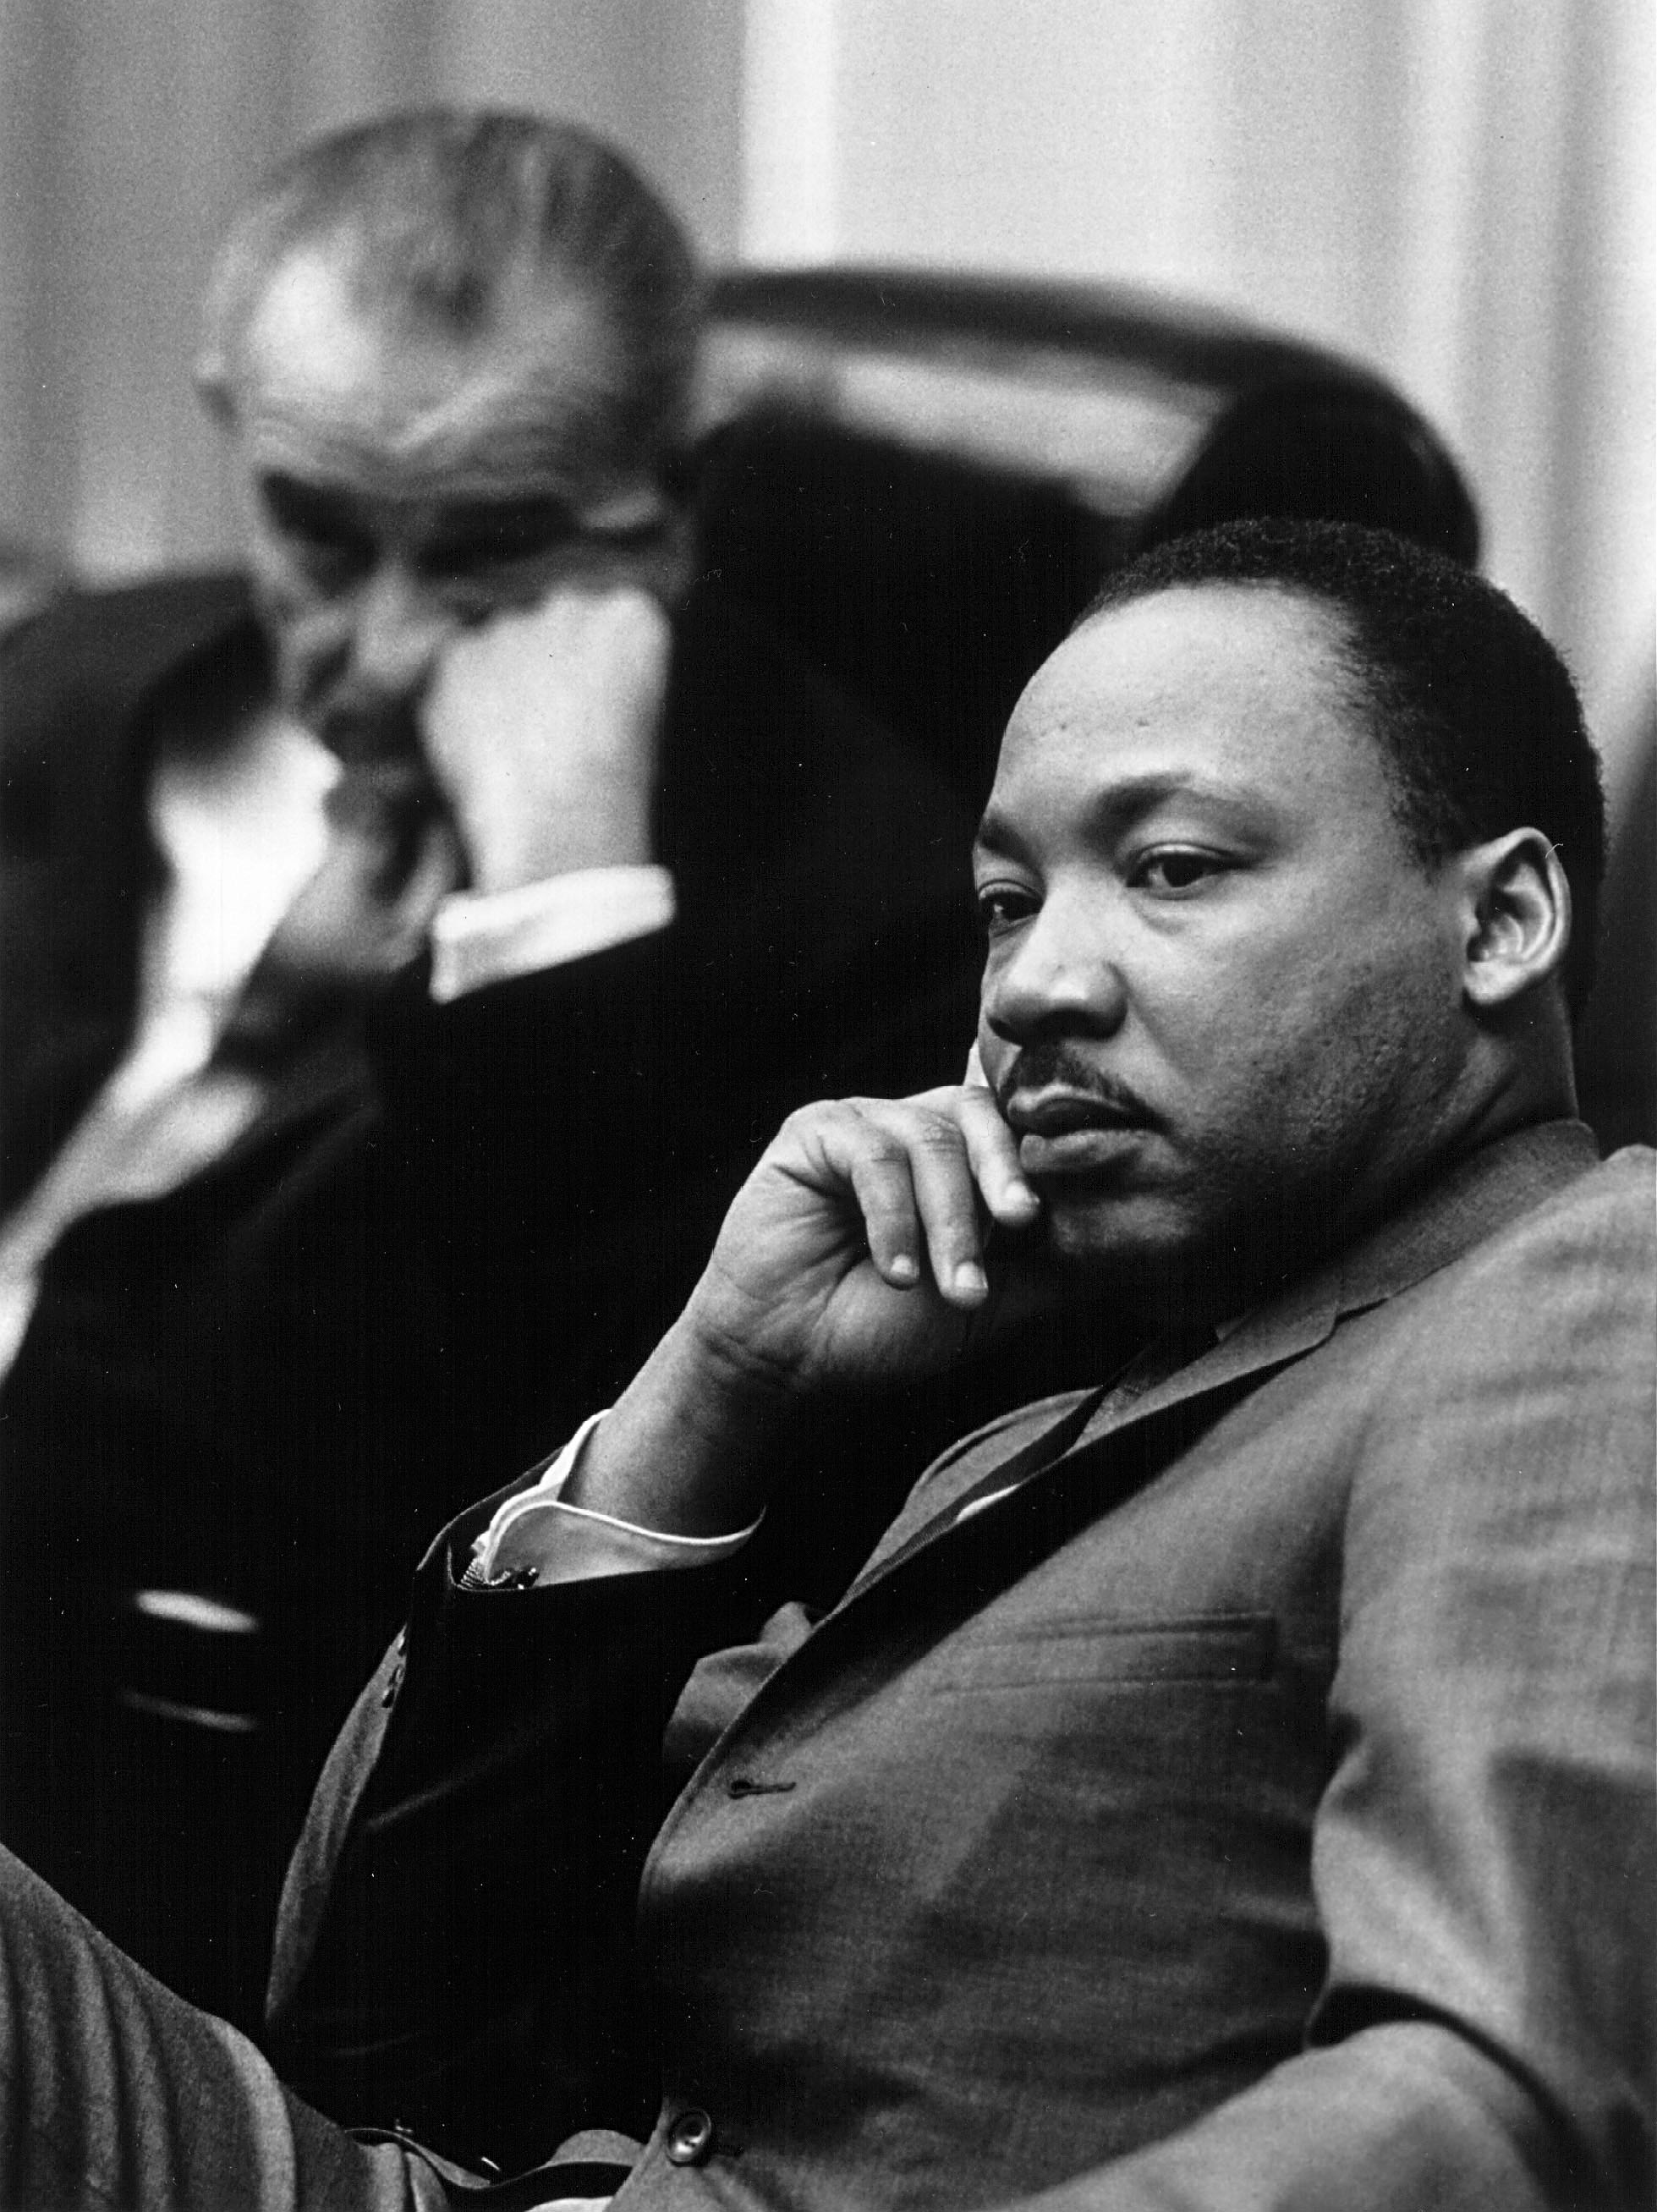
[571, 1544]
[480, 937]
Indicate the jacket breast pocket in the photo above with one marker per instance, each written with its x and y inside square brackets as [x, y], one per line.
[1216, 1648]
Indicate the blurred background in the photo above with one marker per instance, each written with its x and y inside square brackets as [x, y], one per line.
[1458, 192]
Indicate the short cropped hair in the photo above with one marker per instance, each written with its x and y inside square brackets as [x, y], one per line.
[1477, 719]
[442, 216]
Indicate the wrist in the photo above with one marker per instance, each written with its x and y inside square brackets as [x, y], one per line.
[687, 1447]
[510, 848]
[515, 863]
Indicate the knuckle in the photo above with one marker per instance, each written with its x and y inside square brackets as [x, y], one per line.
[881, 1151]
[824, 1120]
[814, 1110]
[871, 1118]
[937, 1139]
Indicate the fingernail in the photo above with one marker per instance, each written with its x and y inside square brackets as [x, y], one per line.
[969, 1277]
[905, 1267]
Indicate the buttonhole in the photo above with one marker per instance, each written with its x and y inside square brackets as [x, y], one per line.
[750, 1785]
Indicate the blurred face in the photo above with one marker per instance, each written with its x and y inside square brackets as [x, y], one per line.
[399, 490]
[1222, 1007]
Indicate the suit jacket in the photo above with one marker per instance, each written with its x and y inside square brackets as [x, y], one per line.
[452, 1231]
[1254, 1808]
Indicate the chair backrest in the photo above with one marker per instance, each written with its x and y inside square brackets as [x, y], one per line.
[921, 479]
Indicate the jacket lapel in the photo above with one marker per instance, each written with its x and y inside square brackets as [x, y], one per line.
[1103, 1446]
[1007, 1452]
[1081, 1455]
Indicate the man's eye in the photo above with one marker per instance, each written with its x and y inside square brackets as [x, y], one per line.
[466, 558]
[1174, 868]
[455, 564]
[503, 536]
[331, 553]
[314, 531]
[1002, 907]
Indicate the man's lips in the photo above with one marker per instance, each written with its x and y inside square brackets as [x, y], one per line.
[1067, 1133]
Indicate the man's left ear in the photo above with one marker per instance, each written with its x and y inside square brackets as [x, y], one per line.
[1516, 913]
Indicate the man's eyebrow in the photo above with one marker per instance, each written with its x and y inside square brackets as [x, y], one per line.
[1127, 799]
[1131, 796]
[994, 838]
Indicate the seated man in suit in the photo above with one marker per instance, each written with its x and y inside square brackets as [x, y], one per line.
[1230, 1785]
[377, 932]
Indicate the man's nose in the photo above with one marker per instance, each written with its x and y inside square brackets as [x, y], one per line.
[399, 627]
[1060, 975]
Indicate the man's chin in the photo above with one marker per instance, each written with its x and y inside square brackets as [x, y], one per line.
[1101, 1226]
[1146, 1250]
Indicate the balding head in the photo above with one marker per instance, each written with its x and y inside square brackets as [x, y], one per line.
[452, 228]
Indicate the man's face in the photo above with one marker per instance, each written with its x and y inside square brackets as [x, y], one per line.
[400, 490]
[1221, 1005]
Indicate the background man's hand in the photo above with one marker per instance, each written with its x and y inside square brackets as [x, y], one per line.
[541, 731]
[538, 739]
[854, 1254]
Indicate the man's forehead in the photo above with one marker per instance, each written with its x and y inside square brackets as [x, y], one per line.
[1269, 634]
[511, 409]
[1234, 663]
[1225, 689]
[305, 330]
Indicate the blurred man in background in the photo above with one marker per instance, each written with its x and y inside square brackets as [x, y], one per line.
[383, 934]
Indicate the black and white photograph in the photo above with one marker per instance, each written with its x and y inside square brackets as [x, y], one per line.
[828, 1077]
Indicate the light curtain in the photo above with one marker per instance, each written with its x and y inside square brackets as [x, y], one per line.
[1458, 190]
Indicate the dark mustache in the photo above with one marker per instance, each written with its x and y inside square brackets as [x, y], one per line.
[1054, 1063]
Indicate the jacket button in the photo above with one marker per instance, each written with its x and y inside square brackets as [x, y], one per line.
[690, 2138]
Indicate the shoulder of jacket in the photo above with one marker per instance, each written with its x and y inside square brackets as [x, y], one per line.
[1583, 1258]
[152, 621]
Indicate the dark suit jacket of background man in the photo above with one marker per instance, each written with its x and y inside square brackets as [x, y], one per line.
[450, 1232]
[1252, 1808]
